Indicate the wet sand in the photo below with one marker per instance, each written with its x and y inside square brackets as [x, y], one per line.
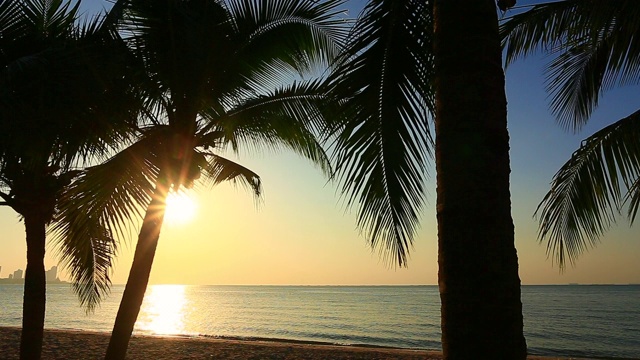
[72, 345]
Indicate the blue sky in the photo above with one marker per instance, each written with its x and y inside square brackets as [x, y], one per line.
[301, 234]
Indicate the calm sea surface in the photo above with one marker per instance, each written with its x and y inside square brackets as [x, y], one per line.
[585, 320]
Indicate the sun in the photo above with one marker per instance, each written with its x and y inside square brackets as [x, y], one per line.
[181, 208]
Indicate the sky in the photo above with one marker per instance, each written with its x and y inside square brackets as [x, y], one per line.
[301, 233]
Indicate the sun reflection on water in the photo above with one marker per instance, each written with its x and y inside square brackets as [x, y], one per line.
[163, 310]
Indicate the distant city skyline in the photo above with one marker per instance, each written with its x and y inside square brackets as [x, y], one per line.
[17, 275]
[50, 275]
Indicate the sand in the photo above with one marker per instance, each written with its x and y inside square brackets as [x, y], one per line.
[72, 345]
[64, 344]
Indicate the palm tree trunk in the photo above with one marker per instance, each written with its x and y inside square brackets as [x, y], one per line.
[34, 302]
[139, 273]
[478, 265]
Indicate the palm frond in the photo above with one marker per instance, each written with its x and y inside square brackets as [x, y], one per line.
[587, 192]
[384, 87]
[632, 198]
[305, 32]
[11, 25]
[88, 257]
[290, 116]
[109, 22]
[219, 169]
[50, 19]
[594, 46]
[180, 42]
[114, 191]
[98, 207]
[75, 94]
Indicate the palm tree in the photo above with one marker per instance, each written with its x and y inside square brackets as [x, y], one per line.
[214, 73]
[385, 144]
[594, 46]
[59, 91]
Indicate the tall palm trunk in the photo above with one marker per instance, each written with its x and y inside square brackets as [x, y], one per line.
[34, 302]
[478, 265]
[139, 273]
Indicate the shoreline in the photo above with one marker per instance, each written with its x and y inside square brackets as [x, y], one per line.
[85, 344]
[82, 344]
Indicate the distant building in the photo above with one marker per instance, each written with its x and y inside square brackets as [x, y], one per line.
[17, 274]
[10, 276]
[52, 274]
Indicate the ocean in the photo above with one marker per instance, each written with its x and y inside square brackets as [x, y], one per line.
[560, 320]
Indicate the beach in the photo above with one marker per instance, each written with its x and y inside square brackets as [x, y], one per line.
[66, 344]
[71, 344]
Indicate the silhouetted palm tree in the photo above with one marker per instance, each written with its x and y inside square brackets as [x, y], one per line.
[397, 75]
[60, 92]
[214, 78]
[595, 46]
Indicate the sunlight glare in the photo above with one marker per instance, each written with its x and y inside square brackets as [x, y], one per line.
[181, 208]
[163, 310]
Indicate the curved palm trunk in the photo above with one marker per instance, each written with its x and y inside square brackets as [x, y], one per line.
[34, 301]
[139, 273]
[478, 265]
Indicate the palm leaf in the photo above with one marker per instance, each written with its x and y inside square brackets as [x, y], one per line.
[587, 192]
[88, 257]
[73, 94]
[291, 116]
[11, 25]
[304, 32]
[594, 46]
[383, 85]
[99, 205]
[219, 169]
[180, 42]
[50, 19]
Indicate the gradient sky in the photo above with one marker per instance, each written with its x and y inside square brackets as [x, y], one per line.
[300, 233]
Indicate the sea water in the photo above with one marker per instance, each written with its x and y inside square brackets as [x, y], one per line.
[578, 320]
